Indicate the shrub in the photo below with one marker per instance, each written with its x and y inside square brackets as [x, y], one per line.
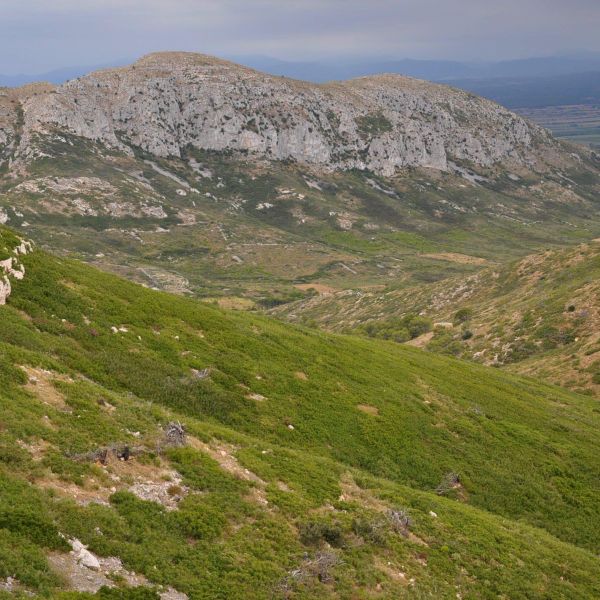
[373, 125]
[371, 530]
[30, 523]
[520, 350]
[175, 490]
[551, 336]
[418, 325]
[400, 520]
[314, 532]
[444, 342]
[463, 315]
[398, 329]
[318, 568]
[450, 481]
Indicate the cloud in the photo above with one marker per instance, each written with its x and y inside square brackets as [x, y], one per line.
[39, 35]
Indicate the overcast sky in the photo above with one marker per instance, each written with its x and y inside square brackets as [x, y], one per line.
[40, 35]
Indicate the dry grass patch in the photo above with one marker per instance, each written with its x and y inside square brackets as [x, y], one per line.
[368, 409]
[37, 448]
[393, 572]
[90, 493]
[233, 303]
[320, 288]
[40, 384]
[351, 492]
[421, 341]
[456, 257]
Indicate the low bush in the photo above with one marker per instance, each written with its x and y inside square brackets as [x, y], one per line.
[462, 316]
[398, 329]
[315, 532]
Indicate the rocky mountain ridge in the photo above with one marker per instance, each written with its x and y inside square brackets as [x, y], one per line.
[167, 102]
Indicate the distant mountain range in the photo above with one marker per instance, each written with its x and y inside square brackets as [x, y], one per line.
[434, 70]
[328, 70]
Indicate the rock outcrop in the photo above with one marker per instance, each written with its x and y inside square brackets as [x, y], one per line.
[84, 556]
[166, 102]
[5, 289]
[11, 267]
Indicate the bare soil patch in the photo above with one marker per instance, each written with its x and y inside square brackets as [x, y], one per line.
[456, 257]
[368, 409]
[421, 341]
[41, 385]
[320, 288]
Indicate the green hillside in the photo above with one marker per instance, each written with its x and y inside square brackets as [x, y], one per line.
[538, 316]
[315, 465]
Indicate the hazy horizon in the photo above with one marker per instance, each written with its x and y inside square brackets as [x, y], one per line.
[36, 37]
[251, 58]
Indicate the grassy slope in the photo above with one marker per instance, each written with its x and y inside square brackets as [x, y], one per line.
[524, 451]
[538, 316]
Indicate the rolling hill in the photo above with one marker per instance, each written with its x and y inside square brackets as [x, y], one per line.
[195, 452]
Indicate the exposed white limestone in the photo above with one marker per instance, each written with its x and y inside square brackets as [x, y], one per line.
[168, 101]
[5, 289]
[84, 556]
[12, 267]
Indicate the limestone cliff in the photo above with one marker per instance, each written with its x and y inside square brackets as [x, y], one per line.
[166, 102]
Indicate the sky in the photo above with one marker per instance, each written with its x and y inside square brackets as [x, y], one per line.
[41, 35]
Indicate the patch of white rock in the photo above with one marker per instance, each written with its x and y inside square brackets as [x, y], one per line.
[12, 267]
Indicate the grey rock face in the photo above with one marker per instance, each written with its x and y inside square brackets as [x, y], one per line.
[8, 122]
[12, 268]
[5, 289]
[166, 102]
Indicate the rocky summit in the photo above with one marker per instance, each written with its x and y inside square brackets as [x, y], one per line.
[169, 101]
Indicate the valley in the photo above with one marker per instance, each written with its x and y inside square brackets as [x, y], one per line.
[258, 232]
